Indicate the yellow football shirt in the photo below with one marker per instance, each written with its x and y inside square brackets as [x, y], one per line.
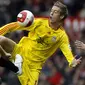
[42, 41]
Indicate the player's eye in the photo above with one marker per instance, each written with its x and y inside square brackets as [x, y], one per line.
[55, 11]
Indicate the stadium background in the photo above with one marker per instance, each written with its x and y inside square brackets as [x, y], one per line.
[55, 71]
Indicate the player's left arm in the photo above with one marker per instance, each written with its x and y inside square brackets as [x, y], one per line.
[66, 49]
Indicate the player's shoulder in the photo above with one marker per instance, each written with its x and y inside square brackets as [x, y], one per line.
[41, 19]
[63, 32]
[62, 29]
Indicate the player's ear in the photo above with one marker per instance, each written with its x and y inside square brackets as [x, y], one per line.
[61, 17]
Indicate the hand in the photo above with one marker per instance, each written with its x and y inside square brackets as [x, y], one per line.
[75, 62]
[7, 56]
[80, 45]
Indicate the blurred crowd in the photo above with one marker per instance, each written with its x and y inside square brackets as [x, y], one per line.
[55, 70]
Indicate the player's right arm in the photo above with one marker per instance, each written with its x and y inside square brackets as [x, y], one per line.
[9, 28]
[14, 26]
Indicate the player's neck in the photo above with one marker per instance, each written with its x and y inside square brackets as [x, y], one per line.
[54, 25]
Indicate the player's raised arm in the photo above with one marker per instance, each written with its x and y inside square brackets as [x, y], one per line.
[9, 28]
[24, 21]
[66, 49]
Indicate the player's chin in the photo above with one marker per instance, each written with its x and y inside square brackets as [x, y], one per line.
[51, 21]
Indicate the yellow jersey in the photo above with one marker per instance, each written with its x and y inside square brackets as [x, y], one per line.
[42, 41]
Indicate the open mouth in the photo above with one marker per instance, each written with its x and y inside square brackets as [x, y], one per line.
[50, 17]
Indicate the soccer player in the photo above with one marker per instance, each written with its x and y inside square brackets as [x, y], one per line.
[44, 38]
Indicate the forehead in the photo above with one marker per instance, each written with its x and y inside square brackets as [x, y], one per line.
[56, 8]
